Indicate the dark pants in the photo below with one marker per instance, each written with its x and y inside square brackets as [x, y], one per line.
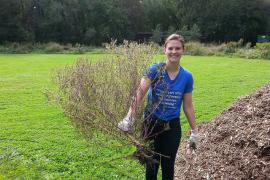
[166, 142]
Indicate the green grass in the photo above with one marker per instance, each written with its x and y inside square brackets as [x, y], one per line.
[38, 142]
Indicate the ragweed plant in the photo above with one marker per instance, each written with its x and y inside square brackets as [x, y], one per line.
[97, 95]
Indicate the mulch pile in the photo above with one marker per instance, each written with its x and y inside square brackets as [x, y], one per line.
[235, 145]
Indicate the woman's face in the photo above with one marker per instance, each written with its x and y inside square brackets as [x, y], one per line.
[174, 50]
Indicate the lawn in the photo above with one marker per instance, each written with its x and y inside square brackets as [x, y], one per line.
[38, 142]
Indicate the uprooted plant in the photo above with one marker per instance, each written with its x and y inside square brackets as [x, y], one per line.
[97, 95]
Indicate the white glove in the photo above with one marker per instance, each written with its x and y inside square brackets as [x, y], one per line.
[193, 139]
[126, 124]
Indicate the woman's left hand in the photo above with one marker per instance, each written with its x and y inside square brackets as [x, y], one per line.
[193, 139]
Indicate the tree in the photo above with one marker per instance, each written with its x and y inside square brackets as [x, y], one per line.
[11, 27]
[157, 34]
[95, 21]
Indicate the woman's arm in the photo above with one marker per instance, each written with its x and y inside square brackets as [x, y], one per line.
[126, 123]
[141, 91]
[189, 110]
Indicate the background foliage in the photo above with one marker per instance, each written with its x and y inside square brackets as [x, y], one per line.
[94, 22]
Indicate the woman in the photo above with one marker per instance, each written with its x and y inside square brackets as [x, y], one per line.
[169, 86]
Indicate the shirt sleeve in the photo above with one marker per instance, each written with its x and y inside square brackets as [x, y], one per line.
[189, 85]
[151, 72]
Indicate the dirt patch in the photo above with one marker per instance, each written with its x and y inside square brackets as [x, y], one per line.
[235, 145]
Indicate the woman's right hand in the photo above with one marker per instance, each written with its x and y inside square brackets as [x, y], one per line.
[126, 124]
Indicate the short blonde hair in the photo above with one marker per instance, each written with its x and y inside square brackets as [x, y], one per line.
[175, 37]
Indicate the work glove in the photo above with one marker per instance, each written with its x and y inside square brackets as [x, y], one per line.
[193, 139]
[126, 124]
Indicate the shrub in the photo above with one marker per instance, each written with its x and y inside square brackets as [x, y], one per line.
[194, 48]
[262, 50]
[4, 49]
[263, 46]
[265, 53]
[248, 45]
[156, 47]
[78, 48]
[53, 47]
[68, 47]
[232, 46]
[249, 53]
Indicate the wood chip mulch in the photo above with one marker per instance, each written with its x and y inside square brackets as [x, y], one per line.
[235, 145]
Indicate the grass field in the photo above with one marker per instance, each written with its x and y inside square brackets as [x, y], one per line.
[38, 142]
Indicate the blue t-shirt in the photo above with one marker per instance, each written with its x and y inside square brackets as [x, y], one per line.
[165, 95]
